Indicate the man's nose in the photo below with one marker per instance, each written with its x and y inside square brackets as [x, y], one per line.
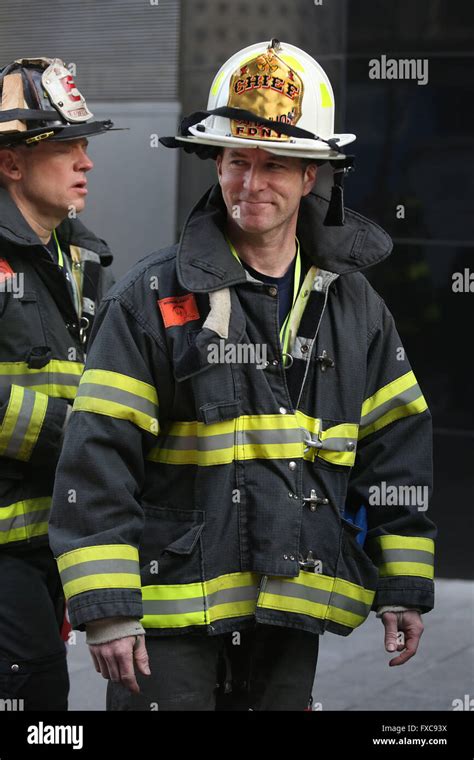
[84, 162]
[254, 179]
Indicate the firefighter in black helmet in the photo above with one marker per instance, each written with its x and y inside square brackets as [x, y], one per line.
[52, 275]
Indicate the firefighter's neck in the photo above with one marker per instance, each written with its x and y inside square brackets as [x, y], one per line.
[269, 253]
[41, 222]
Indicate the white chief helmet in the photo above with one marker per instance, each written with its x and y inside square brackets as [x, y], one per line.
[273, 96]
[278, 82]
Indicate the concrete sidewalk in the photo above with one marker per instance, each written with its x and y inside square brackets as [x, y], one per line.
[353, 671]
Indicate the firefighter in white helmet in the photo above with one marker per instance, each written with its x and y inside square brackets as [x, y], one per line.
[243, 393]
[293, 100]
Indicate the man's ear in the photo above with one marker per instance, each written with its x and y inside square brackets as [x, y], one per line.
[10, 167]
[309, 178]
[219, 158]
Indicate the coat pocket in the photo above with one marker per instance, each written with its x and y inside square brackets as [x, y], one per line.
[12, 475]
[354, 564]
[22, 326]
[171, 546]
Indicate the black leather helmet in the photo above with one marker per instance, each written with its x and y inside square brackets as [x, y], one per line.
[39, 101]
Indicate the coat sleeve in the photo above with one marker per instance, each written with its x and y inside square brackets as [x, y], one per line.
[97, 519]
[106, 281]
[31, 425]
[392, 475]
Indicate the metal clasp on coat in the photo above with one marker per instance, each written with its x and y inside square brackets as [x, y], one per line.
[311, 443]
[313, 500]
[309, 562]
[83, 329]
[325, 361]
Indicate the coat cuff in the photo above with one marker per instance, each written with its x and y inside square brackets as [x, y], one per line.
[104, 603]
[395, 608]
[48, 446]
[408, 591]
[111, 629]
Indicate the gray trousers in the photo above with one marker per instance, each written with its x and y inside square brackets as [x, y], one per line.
[263, 668]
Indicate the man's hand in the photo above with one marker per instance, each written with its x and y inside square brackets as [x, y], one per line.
[116, 660]
[410, 624]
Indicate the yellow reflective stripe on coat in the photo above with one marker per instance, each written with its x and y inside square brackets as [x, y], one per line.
[237, 595]
[22, 423]
[319, 596]
[97, 567]
[402, 555]
[24, 519]
[57, 378]
[266, 436]
[400, 398]
[181, 605]
[120, 396]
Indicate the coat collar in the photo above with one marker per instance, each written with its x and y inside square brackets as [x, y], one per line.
[15, 229]
[204, 262]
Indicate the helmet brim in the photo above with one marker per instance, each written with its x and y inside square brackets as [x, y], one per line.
[63, 132]
[300, 148]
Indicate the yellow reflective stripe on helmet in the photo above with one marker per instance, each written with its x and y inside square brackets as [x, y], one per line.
[97, 567]
[24, 519]
[217, 82]
[403, 555]
[326, 100]
[57, 378]
[120, 396]
[291, 61]
[186, 604]
[400, 398]
[318, 596]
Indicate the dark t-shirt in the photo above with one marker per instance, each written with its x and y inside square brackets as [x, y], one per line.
[284, 284]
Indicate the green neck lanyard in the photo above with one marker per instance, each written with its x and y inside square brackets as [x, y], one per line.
[284, 331]
[58, 247]
[70, 276]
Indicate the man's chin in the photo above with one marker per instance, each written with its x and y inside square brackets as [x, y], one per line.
[75, 205]
[255, 225]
